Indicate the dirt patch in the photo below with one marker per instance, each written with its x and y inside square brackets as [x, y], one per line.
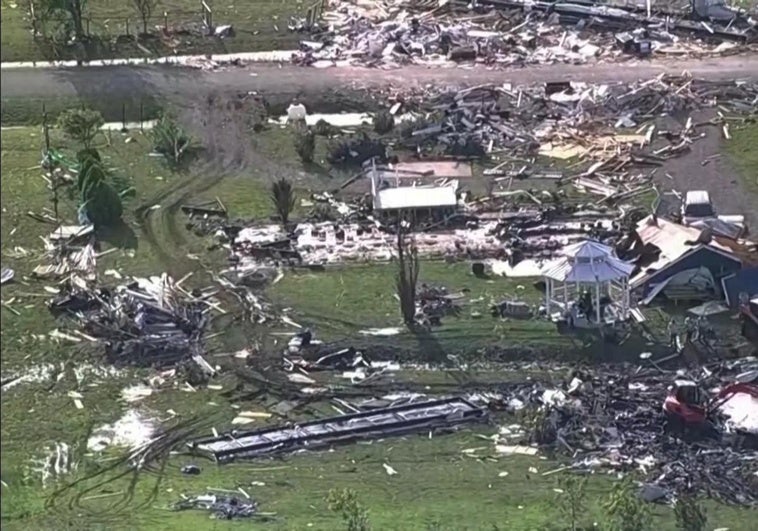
[718, 176]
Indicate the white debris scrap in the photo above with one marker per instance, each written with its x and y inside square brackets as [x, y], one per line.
[36, 374]
[57, 462]
[391, 331]
[131, 431]
[135, 393]
[742, 412]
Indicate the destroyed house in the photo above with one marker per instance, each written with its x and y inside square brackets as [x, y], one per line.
[682, 262]
[428, 189]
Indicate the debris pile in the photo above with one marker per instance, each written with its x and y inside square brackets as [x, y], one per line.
[69, 249]
[147, 322]
[433, 303]
[608, 125]
[222, 507]
[511, 32]
[616, 420]
[613, 139]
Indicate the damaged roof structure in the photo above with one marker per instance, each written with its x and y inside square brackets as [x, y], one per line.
[681, 256]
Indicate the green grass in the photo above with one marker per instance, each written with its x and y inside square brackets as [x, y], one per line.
[259, 25]
[436, 481]
[29, 111]
[743, 152]
[341, 301]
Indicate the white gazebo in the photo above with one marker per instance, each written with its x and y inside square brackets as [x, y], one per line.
[588, 281]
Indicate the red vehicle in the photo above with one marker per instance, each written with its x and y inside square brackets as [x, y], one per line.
[688, 408]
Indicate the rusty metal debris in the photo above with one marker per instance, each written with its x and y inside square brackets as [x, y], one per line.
[410, 418]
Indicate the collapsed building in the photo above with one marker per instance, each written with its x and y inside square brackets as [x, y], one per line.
[518, 32]
[684, 263]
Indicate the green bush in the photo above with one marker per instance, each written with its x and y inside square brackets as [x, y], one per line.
[384, 122]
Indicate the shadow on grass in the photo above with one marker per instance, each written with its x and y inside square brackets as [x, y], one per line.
[120, 236]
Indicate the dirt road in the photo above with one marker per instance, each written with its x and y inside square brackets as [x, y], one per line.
[170, 82]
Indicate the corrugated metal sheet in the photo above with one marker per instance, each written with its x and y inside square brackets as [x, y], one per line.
[672, 239]
[680, 247]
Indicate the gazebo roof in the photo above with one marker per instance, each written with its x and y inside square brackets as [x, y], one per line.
[587, 261]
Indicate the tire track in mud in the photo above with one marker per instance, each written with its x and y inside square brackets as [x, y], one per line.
[93, 495]
[221, 127]
[155, 222]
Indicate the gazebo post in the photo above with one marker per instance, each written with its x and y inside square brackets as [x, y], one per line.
[548, 285]
[597, 299]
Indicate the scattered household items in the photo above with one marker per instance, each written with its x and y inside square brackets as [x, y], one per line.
[191, 470]
[221, 506]
[513, 310]
[515, 32]
[433, 303]
[378, 423]
[698, 212]
[145, 322]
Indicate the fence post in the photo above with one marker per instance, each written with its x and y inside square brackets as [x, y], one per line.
[141, 116]
[127, 26]
[123, 117]
[165, 21]
[33, 17]
[88, 32]
[46, 129]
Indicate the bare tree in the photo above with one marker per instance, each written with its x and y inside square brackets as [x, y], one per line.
[407, 273]
[145, 9]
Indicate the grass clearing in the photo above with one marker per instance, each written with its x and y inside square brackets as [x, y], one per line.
[342, 301]
[743, 152]
[258, 24]
[29, 111]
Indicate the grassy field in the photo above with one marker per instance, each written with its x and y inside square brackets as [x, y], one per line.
[742, 150]
[340, 302]
[437, 485]
[15, 112]
[258, 25]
